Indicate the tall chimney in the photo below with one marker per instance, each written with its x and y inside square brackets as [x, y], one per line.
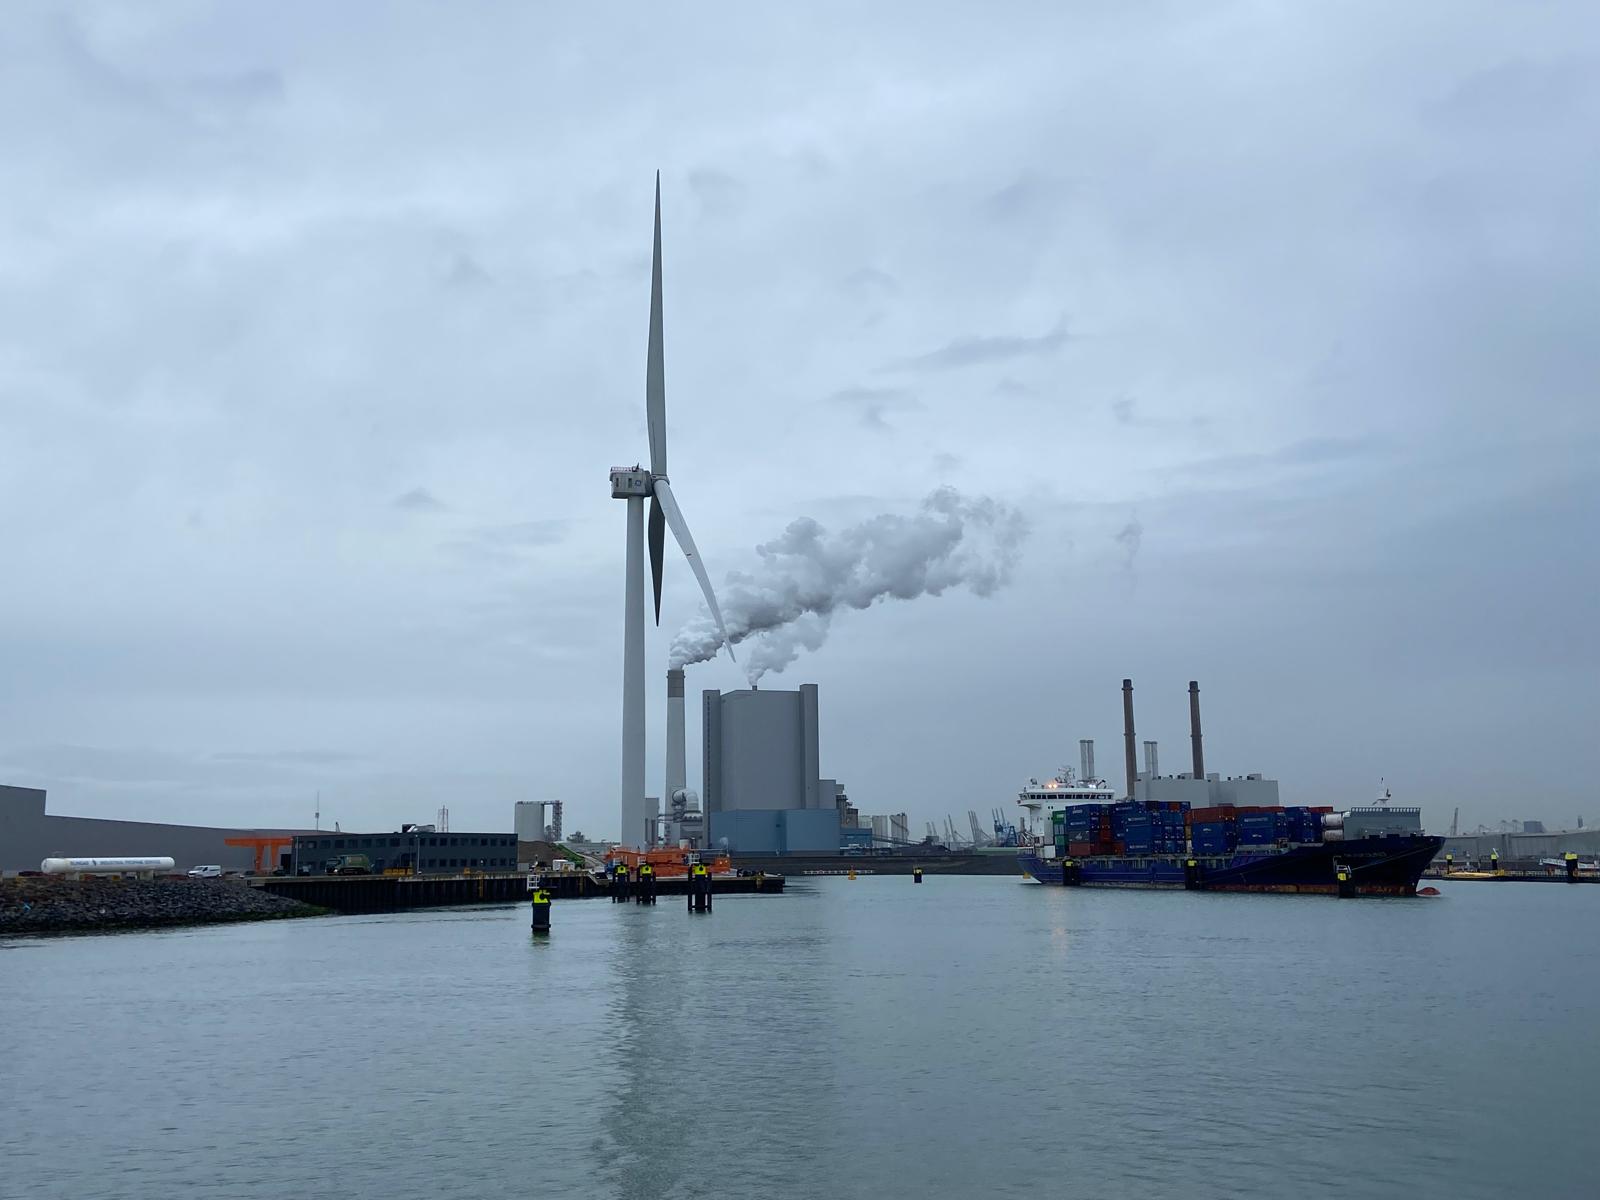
[1086, 758]
[1194, 729]
[1152, 765]
[676, 777]
[1129, 751]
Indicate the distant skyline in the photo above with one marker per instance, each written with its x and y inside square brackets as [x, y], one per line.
[320, 327]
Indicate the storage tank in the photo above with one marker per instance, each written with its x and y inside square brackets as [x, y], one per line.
[104, 866]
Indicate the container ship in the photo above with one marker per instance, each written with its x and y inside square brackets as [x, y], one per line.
[1375, 851]
[1232, 836]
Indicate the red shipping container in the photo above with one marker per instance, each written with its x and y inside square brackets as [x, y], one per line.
[1081, 849]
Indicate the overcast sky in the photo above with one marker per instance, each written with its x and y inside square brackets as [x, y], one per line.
[321, 324]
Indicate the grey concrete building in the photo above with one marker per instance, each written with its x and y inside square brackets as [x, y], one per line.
[761, 749]
[1213, 790]
[763, 788]
[28, 835]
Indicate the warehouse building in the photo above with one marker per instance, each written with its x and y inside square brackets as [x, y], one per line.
[764, 793]
[28, 835]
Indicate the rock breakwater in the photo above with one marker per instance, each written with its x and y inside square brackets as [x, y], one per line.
[45, 904]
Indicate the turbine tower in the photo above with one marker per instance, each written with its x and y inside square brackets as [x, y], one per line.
[633, 484]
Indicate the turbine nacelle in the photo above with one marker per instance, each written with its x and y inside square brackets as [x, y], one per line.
[630, 482]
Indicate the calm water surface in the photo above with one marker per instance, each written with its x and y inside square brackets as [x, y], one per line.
[968, 1037]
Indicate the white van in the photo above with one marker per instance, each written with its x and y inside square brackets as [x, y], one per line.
[211, 872]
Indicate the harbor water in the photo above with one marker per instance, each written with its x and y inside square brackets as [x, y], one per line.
[965, 1037]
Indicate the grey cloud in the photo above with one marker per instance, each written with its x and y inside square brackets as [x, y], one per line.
[240, 91]
[97, 763]
[1129, 538]
[466, 272]
[869, 281]
[418, 499]
[1306, 452]
[315, 758]
[506, 546]
[1519, 94]
[871, 404]
[1027, 201]
[975, 350]
[1316, 450]
[719, 194]
[522, 534]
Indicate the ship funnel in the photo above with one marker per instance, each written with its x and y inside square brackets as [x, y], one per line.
[1086, 759]
[1152, 765]
[1194, 730]
[1130, 754]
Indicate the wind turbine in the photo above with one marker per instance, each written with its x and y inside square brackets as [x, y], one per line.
[633, 484]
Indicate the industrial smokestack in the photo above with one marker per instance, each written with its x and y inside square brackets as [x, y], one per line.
[1086, 758]
[1194, 730]
[1152, 765]
[1129, 752]
[676, 778]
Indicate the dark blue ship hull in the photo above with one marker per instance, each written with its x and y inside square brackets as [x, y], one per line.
[1377, 866]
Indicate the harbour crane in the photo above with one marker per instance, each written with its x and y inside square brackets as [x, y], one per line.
[979, 838]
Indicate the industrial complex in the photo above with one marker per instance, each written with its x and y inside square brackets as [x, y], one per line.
[765, 796]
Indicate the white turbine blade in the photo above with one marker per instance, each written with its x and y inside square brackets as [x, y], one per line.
[680, 530]
[655, 375]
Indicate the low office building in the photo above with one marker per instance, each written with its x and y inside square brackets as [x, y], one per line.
[427, 853]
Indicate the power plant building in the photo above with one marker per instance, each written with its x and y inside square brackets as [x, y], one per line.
[764, 793]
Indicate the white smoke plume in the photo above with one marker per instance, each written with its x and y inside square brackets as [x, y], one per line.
[807, 574]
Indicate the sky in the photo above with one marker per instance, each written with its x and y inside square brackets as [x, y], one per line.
[322, 325]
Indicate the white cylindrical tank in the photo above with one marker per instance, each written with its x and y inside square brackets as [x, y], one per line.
[1333, 820]
[1333, 835]
[103, 866]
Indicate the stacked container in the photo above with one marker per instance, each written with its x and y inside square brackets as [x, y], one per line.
[1262, 827]
[1305, 824]
[1213, 830]
[1171, 818]
[1139, 833]
[1088, 829]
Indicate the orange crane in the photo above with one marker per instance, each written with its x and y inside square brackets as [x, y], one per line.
[265, 847]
